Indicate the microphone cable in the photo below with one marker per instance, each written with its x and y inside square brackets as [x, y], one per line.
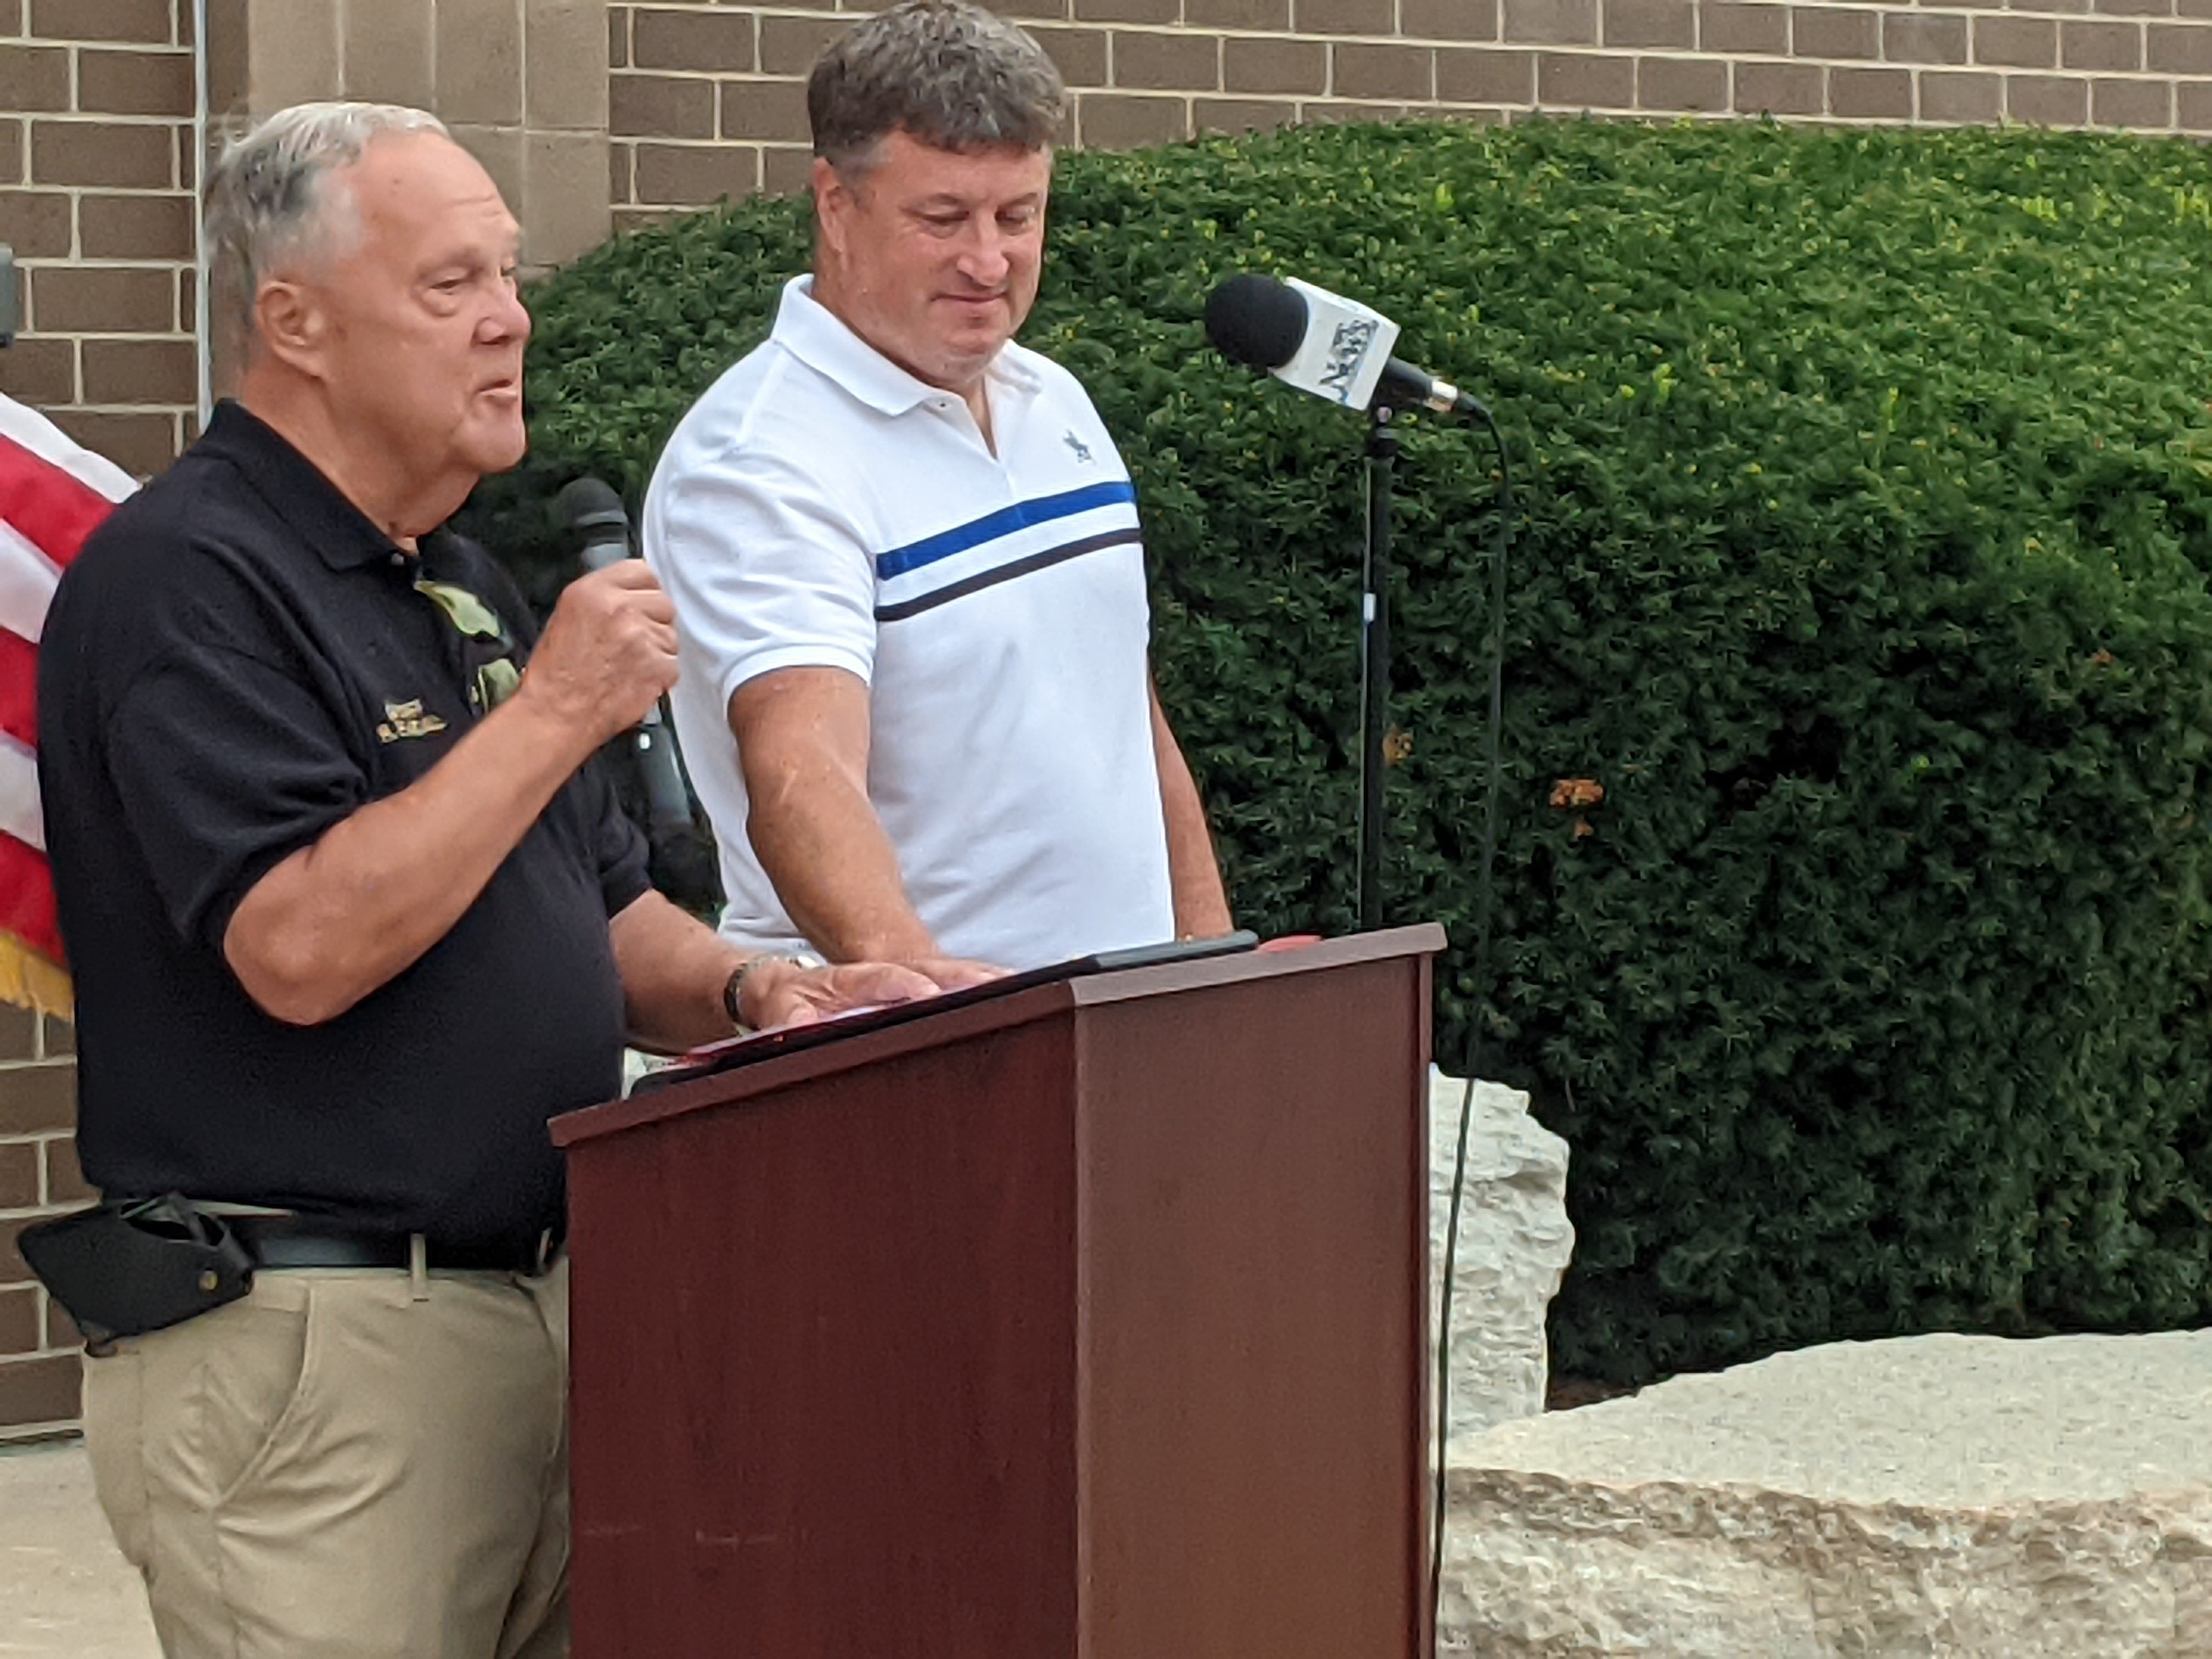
[1485, 903]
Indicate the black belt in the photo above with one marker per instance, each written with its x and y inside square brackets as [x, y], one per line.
[290, 1241]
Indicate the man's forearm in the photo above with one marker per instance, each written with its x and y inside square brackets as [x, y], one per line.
[674, 969]
[341, 917]
[836, 872]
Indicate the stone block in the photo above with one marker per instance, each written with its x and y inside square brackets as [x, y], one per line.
[1375, 17]
[1109, 120]
[35, 223]
[565, 204]
[1383, 71]
[565, 64]
[1475, 75]
[1514, 1243]
[2109, 47]
[389, 51]
[146, 22]
[1238, 14]
[2134, 105]
[293, 55]
[1686, 84]
[20, 1178]
[480, 62]
[40, 373]
[1845, 32]
[1552, 22]
[34, 77]
[692, 175]
[1724, 26]
[1972, 1496]
[1918, 38]
[1164, 62]
[1241, 115]
[1650, 23]
[1448, 20]
[103, 155]
[1586, 81]
[135, 226]
[135, 84]
[1278, 66]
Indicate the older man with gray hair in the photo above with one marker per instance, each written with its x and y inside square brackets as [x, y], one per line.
[907, 560]
[351, 916]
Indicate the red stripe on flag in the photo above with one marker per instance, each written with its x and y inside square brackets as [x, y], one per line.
[19, 687]
[50, 508]
[27, 898]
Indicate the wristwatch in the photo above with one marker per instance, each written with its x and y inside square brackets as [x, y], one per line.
[734, 988]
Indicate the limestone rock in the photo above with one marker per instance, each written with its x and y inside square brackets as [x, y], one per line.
[1514, 1242]
[1926, 1496]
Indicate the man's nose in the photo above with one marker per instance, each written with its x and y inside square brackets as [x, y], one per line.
[987, 255]
[509, 318]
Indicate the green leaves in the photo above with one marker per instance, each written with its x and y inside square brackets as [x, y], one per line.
[1867, 505]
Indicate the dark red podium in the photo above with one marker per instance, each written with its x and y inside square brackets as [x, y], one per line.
[1087, 1322]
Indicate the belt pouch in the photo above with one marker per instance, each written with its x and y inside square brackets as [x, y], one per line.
[127, 1267]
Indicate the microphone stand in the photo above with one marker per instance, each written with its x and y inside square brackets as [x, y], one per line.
[1375, 660]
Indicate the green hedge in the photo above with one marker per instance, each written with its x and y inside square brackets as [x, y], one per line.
[1868, 490]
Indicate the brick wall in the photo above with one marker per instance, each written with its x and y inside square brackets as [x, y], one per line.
[97, 175]
[38, 1357]
[706, 98]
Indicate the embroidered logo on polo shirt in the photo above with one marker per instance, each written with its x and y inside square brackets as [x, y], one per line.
[1082, 449]
[407, 720]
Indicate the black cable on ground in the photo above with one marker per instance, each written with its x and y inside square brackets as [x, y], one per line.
[1485, 896]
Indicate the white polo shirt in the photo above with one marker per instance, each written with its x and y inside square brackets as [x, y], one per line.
[821, 506]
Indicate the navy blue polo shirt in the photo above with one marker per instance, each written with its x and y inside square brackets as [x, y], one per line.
[237, 660]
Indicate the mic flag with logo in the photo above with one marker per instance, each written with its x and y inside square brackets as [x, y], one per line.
[52, 493]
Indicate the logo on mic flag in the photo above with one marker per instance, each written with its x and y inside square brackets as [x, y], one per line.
[1344, 349]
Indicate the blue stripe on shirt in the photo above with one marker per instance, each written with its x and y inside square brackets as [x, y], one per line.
[1022, 515]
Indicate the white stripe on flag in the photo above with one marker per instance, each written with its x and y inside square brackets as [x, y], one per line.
[19, 794]
[35, 433]
[26, 584]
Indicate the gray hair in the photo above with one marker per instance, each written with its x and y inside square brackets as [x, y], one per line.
[266, 201]
[947, 72]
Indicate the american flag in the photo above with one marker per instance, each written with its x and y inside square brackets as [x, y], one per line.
[51, 494]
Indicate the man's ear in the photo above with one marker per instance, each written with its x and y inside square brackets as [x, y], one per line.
[293, 323]
[833, 199]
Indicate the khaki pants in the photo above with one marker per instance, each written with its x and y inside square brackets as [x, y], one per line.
[330, 1468]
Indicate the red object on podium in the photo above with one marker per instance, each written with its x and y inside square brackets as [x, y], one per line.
[1084, 1322]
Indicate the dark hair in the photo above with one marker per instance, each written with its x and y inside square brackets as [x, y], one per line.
[952, 74]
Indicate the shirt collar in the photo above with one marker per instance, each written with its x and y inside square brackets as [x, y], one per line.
[317, 510]
[815, 335]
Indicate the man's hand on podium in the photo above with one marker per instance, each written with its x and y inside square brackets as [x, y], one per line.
[780, 992]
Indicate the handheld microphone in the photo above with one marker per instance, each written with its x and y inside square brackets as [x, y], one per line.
[591, 508]
[1324, 343]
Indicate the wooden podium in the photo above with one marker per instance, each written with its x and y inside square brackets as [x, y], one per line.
[1085, 1322]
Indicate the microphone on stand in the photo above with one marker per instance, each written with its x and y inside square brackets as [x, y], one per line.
[1324, 343]
[591, 508]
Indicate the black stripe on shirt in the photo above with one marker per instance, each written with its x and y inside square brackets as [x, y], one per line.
[976, 584]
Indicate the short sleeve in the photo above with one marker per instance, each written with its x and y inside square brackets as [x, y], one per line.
[764, 568]
[225, 767]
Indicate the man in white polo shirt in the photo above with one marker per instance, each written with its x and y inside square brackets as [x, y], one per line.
[906, 559]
